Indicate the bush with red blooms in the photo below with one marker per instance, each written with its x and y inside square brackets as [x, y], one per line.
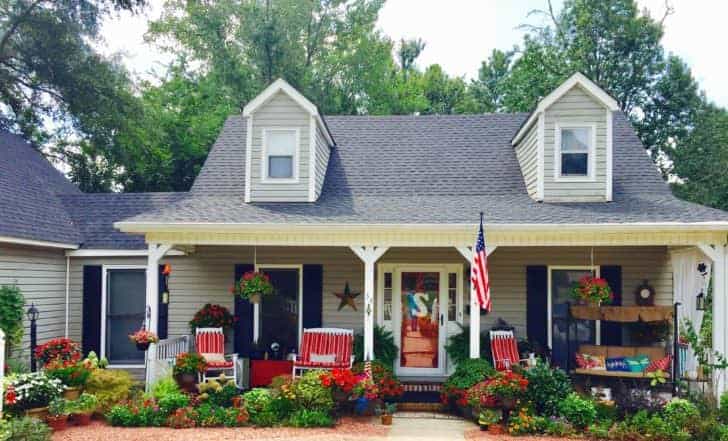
[592, 289]
[388, 384]
[212, 316]
[500, 387]
[58, 349]
[352, 385]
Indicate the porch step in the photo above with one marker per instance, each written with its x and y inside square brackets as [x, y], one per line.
[421, 393]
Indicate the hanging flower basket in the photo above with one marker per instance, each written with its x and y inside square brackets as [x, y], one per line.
[592, 291]
[253, 286]
[143, 338]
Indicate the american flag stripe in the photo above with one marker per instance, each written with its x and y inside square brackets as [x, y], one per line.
[479, 280]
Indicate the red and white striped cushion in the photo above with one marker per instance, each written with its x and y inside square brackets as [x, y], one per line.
[663, 364]
[505, 352]
[324, 343]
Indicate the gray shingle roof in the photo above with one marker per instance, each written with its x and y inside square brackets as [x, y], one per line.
[428, 169]
[30, 191]
[95, 214]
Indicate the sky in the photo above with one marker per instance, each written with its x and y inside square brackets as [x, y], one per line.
[460, 34]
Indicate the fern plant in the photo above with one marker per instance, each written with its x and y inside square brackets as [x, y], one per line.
[385, 351]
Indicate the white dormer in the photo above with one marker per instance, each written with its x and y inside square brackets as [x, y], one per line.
[565, 146]
[287, 147]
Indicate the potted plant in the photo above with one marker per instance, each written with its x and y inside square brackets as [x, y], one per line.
[186, 369]
[83, 408]
[252, 286]
[590, 290]
[57, 414]
[31, 393]
[143, 338]
[489, 417]
[385, 413]
[73, 375]
[507, 387]
[212, 316]
[58, 349]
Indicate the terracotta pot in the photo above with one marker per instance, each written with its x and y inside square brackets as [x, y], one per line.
[142, 346]
[496, 429]
[187, 382]
[57, 422]
[37, 412]
[387, 420]
[254, 299]
[72, 393]
[82, 419]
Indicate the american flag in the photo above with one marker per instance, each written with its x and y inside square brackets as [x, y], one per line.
[479, 281]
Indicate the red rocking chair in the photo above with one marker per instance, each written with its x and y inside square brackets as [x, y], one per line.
[504, 348]
[211, 345]
[324, 348]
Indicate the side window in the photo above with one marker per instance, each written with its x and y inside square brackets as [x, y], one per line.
[576, 147]
[280, 154]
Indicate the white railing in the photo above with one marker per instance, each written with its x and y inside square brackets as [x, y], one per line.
[162, 356]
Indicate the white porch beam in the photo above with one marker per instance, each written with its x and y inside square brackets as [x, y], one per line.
[467, 252]
[155, 253]
[369, 255]
[720, 310]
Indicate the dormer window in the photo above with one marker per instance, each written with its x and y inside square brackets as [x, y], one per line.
[575, 152]
[280, 153]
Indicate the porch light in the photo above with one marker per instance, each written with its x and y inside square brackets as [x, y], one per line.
[700, 301]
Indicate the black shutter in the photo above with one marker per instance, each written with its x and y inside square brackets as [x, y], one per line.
[91, 312]
[313, 295]
[611, 331]
[244, 313]
[163, 313]
[537, 304]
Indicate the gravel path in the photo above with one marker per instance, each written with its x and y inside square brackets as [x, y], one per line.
[349, 429]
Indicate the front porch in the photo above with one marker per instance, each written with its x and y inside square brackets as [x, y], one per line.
[528, 275]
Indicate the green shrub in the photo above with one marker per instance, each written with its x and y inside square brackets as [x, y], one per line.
[577, 410]
[643, 425]
[144, 414]
[12, 305]
[258, 404]
[172, 401]
[385, 351]
[681, 414]
[26, 429]
[458, 346]
[723, 409]
[165, 386]
[469, 372]
[547, 387]
[310, 418]
[311, 394]
[219, 392]
[111, 386]
[607, 414]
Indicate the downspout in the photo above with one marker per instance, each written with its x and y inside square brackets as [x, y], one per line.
[68, 293]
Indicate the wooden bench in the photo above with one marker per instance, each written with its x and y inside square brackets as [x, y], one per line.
[653, 352]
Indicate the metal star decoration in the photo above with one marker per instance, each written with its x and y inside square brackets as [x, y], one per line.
[347, 297]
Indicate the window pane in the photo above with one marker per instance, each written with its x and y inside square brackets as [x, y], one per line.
[575, 140]
[279, 312]
[387, 296]
[582, 331]
[280, 166]
[280, 142]
[452, 296]
[574, 164]
[125, 304]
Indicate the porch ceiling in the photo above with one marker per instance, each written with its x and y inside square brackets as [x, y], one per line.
[439, 235]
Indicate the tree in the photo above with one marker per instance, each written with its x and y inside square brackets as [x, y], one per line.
[701, 160]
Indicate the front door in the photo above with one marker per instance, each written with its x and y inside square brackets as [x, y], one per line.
[420, 306]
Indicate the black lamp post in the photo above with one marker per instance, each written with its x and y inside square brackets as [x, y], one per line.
[700, 298]
[32, 315]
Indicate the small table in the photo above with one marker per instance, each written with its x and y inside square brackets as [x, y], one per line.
[263, 371]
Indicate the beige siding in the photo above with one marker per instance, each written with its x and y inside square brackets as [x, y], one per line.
[527, 154]
[40, 273]
[322, 161]
[280, 112]
[206, 276]
[575, 107]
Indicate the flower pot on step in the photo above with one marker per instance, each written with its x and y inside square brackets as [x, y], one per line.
[72, 393]
[82, 419]
[187, 382]
[387, 420]
[57, 423]
[37, 412]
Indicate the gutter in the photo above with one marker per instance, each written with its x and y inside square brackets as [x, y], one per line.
[38, 243]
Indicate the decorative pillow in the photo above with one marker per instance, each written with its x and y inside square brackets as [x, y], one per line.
[587, 361]
[663, 364]
[581, 361]
[637, 363]
[322, 358]
[213, 358]
[617, 364]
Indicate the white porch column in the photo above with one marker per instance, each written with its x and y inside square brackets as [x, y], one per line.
[719, 255]
[467, 252]
[155, 253]
[369, 255]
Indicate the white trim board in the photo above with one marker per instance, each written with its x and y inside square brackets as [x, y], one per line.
[118, 253]
[104, 301]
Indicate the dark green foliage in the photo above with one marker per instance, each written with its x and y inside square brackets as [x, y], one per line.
[385, 351]
[469, 372]
[547, 387]
[310, 418]
[145, 414]
[258, 403]
[173, 401]
[11, 315]
[577, 410]
[458, 346]
[25, 429]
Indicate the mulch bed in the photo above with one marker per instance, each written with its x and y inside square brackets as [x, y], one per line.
[348, 429]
